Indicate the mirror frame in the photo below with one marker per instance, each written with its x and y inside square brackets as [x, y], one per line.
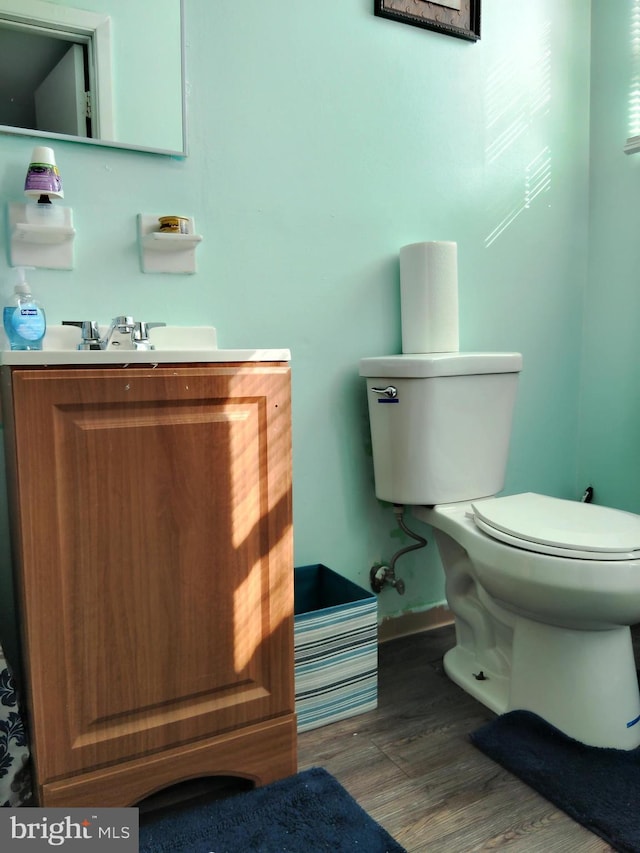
[95, 27]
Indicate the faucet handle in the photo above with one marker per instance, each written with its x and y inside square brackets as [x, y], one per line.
[140, 335]
[90, 333]
[141, 330]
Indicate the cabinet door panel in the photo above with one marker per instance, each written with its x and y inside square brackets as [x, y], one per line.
[156, 576]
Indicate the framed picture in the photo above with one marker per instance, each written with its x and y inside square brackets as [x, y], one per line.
[459, 18]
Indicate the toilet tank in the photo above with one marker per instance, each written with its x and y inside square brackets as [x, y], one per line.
[440, 424]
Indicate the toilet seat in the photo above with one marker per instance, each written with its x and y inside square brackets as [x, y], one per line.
[559, 527]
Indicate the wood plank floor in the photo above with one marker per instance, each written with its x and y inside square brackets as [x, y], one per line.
[411, 766]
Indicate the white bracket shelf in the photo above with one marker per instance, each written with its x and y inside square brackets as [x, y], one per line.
[166, 252]
[632, 145]
[41, 245]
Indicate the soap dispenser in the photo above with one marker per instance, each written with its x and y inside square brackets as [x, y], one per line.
[23, 317]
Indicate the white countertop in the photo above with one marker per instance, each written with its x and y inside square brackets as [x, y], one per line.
[174, 344]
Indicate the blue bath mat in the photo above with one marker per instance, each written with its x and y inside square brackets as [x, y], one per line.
[307, 813]
[599, 788]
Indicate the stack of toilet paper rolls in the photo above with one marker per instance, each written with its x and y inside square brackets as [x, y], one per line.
[429, 297]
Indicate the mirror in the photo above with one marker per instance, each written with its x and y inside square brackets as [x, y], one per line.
[100, 74]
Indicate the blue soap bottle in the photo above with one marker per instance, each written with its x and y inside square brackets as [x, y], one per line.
[23, 317]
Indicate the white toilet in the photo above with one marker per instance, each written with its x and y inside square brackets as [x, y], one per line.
[543, 590]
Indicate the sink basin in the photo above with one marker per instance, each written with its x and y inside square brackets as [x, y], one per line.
[172, 344]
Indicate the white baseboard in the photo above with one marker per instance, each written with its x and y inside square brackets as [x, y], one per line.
[393, 627]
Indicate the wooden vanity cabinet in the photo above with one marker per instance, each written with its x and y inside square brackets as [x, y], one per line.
[152, 539]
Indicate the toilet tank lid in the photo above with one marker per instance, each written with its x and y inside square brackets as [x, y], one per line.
[431, 364]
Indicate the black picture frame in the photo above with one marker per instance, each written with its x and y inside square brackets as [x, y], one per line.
[463, 23]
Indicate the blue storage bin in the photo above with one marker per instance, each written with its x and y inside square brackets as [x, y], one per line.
[336, 647]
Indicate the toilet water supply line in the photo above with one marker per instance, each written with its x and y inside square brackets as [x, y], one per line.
[380, 575]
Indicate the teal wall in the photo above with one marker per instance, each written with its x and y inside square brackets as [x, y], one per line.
[609, 446]
[321, 140]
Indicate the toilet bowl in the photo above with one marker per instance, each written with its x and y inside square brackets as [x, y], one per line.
[542, 619]
[543, 591]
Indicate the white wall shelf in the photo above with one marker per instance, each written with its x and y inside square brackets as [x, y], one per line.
[166, 252]
[41, 245]
[632, 145]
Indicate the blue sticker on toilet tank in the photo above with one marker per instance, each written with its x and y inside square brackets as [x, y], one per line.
[388, 400]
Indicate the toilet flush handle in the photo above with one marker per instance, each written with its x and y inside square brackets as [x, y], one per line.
[390, 391]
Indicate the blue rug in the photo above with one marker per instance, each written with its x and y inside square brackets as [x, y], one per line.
[307, 813]
[599, 788]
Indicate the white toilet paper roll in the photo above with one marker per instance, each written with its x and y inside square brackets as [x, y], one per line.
[429, 297]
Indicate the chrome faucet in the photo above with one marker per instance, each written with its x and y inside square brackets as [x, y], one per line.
[120, 333]
[124, 333]
[90, 333]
